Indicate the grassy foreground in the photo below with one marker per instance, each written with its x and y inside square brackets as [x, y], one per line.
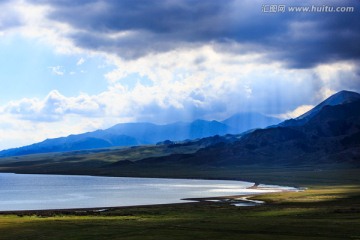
[318, 213]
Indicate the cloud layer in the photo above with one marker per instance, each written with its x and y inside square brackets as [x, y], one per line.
[182, 60]
[132, 29]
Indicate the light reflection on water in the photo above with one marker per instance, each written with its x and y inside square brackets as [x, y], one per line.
[34, 192]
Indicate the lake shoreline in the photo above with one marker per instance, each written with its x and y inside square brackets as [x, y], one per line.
[98, 210]
[228, 200]
[221, 191]
[123, 176]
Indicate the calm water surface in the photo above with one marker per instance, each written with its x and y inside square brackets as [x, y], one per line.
[34, 192]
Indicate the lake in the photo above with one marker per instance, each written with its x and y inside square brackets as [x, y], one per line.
[36, 192]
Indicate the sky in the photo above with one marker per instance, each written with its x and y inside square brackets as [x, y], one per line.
[71, 66]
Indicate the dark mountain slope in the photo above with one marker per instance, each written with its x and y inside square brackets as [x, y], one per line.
[330, 136]
[339, 98]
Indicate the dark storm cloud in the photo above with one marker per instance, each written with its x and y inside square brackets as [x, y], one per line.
[8, 18]
[301, 40]
[324, 37]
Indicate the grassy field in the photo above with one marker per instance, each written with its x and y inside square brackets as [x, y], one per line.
[318, 213]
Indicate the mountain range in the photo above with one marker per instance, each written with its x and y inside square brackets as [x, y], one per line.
[134, 134]
[328, 136]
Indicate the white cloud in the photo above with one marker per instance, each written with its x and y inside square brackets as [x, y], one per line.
[296, 112]
[80, 61]
[180, 88]
[54, 107]
[183, 88]
[337, 76]
[21, 132]
[231, 82]
[57, 70]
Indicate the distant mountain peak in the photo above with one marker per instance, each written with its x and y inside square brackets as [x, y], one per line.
[338, 98]
[342, 97]
[124, 134]
[244, 121]
[347, 92]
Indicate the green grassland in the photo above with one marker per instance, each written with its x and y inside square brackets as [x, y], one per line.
[106, 155]
[318, 213]
[89, 162]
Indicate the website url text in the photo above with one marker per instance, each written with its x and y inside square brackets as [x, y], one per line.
[277, 8]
